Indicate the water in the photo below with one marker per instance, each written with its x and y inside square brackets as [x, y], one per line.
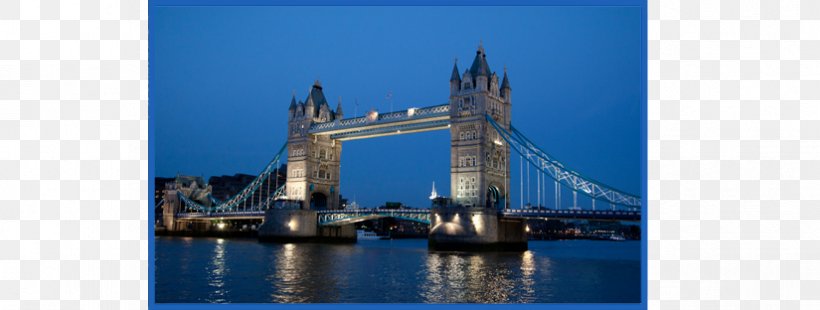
[211, 270]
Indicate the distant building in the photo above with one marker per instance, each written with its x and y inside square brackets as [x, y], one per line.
[226, 186]
[392, 205]
[159, 188]
[434, 194]
[193, 188]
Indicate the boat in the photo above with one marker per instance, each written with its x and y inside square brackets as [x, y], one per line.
[615, 237]
[361, 234]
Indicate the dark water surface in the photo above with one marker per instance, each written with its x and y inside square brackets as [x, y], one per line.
[211, 270]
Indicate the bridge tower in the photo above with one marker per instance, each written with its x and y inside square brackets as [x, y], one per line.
[479, 157]
[313, 160]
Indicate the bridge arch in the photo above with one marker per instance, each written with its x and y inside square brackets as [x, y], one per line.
[318, 201]
[495, 197]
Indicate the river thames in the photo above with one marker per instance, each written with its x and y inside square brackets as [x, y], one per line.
[213, 270]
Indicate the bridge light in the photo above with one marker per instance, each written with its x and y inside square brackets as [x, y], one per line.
[477, 223]
[411, 111]
[498, 142]
[292, 224]
[527, 228]
[373, 115]
[221, 226]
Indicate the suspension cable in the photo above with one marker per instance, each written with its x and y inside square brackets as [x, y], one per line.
[574, 200]
[538, 187]
[521, 178]
[249, 192]
[558, 172]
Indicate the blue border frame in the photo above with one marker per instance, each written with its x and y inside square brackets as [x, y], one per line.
[153, 4]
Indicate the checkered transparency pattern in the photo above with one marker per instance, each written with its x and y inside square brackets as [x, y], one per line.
[734, 154]
[73, 154]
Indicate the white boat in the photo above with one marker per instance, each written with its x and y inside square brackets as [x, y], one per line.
[361, 234]
[615, 237]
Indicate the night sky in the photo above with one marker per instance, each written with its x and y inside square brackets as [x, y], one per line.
[222, 77]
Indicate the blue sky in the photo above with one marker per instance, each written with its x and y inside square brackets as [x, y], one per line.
[222, 77]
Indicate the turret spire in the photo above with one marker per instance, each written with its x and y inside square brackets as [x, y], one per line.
[339, 112]
[480, 66]
[455, 76]
[292, 102]
[505, 83]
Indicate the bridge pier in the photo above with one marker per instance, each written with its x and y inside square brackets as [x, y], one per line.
[475, 229]
[337, 234]
[301, 226]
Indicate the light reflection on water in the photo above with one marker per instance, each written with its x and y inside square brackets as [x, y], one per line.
[242, 271]
[467, 277]
[285, 277]
[217, 270]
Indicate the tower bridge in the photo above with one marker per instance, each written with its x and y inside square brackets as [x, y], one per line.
[478, 215]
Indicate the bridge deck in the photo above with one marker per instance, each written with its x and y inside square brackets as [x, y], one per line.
[342, 217]
[580, 214]
[233, 215]
[393, 123]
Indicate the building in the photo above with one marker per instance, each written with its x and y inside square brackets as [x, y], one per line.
[159, 188]
[191, 187]
[228, 185]
[479, 160]
[313, 160]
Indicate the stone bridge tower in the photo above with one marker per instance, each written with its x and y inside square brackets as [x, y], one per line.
[479, 157]
[313, 160]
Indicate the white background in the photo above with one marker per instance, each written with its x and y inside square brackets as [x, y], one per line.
[734, 154]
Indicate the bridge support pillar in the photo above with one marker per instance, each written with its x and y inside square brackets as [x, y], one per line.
[475, 229]
[288, 226]
[301, 226]
[342, 234]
